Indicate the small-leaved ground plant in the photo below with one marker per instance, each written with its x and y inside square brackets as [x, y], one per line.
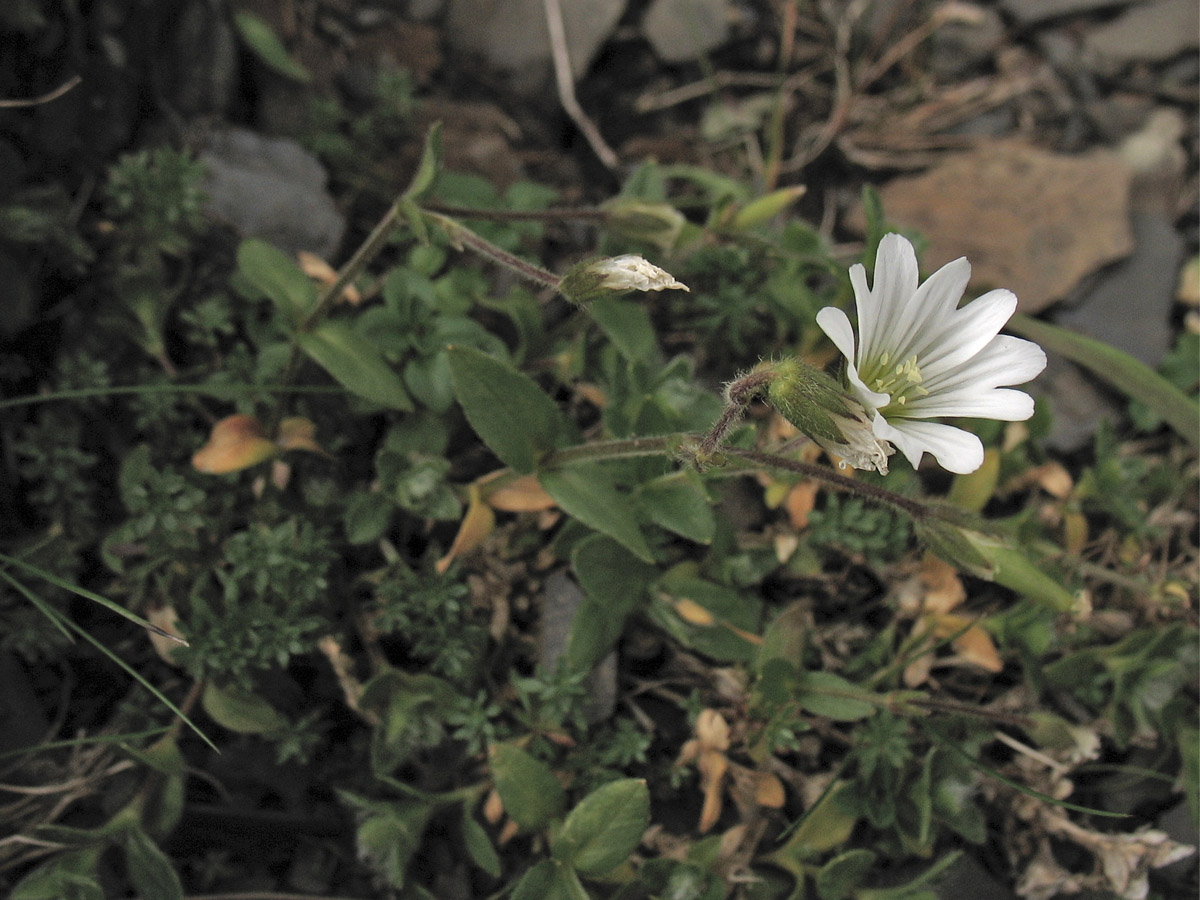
[294, 533]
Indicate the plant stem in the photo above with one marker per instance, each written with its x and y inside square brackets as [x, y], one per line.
[559, 214]
[912, 508]
[461, 235]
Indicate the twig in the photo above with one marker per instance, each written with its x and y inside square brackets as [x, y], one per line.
[565, 80]
[45, 98]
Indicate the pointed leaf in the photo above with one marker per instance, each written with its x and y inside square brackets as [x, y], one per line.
[265, 44]
[479, 845]
[430, 165]
[355, 363]
[149, 869]
[508, 411]
[587, 493]
[1122, 371]
[272, 272]
[615, 582]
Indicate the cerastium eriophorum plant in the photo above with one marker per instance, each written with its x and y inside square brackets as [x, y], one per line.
[918, 357]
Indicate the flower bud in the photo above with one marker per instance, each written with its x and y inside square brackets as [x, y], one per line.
[656, 223]
[818, 406]
[613, 276]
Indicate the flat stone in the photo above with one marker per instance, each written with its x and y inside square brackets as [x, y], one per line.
[1028, 220]
[1150, 32]
[1131, 303]
[512, 35]
[271, 188]
[684, 30]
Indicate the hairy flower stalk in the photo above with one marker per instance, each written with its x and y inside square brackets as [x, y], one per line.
[812, 401]
[919, 356]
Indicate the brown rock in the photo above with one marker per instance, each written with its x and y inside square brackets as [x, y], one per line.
[1028, 220]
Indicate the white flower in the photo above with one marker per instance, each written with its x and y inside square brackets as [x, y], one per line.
[920, 357]
[632, 273]
[613, 276]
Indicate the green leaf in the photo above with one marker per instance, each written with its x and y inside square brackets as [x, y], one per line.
[265, 44]
[367, 516]
[508, 411]
[586, 492]
[276, 275]
[1012, 568]
[479, 845]
[831, 696]
[355, 363]
[839, 877]
[68, 876]
[606, 826]
[67, 625]
[430, 165]
[785, 637]
[826, 825]
[150, 870]
[549, 880]
[678, 503]
[615, 582]
[1122, 371]
[628, 326]
[531, 794]
[389, 838]
[735, 616]
[241, 711]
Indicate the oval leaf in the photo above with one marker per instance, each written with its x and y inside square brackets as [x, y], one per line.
[606, 826]
[355, 363]
[510, 413]
[241, 711]
[831, 696]
[531, 794]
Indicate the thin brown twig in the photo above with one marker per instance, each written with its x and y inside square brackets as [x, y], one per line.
[44, 98]
[565, 81]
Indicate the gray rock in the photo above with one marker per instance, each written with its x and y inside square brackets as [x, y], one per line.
[1150, 32]
[561, 600]
[1077, 403]
[1130, 305]
[271, 188]
[512, 35]
[963, 45]
[1031, 11]
[424, 11]
[684, 30]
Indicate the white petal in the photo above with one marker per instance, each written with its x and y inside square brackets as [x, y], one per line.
[955, 450]
[836, 325]
[1002, 404]
[928, 314]
[1006, 360]
[879, 310]
[969, 331]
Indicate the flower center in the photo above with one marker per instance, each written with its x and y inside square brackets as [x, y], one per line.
[901, 381]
